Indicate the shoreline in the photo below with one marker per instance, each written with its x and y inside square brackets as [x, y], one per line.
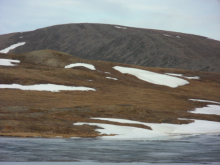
[38, 135]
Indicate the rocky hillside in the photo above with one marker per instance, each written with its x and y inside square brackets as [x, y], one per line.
[113, 43]
[107, 92]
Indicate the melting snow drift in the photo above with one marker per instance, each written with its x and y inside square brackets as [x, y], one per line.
[180, 75]
[167, 35]
[112, 78]
[158, 132]
[45, 87]
[6, 50]
[89, 66]
[8, 62]
[151, 77]
[120, 27]
[211, 109]
[205, 101]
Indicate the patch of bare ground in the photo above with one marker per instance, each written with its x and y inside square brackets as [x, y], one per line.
[51, 114]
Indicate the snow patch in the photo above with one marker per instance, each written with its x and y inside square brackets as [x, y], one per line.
[108, 72]
[125, 132]
[45, 87]
[195, 77]
[8, 62]
[152, 77]
[119, 120]
[178, 36]
[89, 66]
[181, 75]
[112, 78]
[120, 27]
[6, 50]
[159, 131]
[167, 35]
[211, 109]
[174, 74]
[208, 101]
[21, 37]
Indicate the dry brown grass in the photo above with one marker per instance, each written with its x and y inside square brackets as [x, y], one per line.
[50, 114]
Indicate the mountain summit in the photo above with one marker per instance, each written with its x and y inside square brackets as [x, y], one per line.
[114, 43]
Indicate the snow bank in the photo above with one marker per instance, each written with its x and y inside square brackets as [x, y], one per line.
[45, 87]
[195, 77]
[209, 101]
[112, 78]
[89, 66]
[158, 132]
[174, 74]
[181, 75]
[8, 62]
[6, 50]
[196, 127]
[178, 36]
[210, 109]
[151, 77]
[126, 132]
[167, 35]
[120, 27]
[119, 120]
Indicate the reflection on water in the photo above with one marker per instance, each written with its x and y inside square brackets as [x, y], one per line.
[196, 149]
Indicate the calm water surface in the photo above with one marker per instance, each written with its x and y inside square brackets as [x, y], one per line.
[191, 150]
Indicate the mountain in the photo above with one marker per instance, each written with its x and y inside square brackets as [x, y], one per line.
[129, 45]
[44, 92]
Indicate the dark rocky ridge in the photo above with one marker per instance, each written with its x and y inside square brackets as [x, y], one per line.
[144, 47]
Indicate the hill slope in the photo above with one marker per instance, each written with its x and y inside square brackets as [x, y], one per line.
[143, 47]
[115, 95]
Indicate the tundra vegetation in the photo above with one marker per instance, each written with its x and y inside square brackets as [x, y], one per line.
[31, 113]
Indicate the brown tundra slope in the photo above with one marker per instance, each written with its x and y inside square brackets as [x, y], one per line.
[50, 114]
[114, 43]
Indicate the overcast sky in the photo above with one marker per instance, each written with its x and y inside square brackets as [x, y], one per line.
[201, 17]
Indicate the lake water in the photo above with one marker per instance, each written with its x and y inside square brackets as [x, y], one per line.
[189, 150]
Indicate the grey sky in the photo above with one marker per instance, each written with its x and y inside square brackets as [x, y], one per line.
[201, 17]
